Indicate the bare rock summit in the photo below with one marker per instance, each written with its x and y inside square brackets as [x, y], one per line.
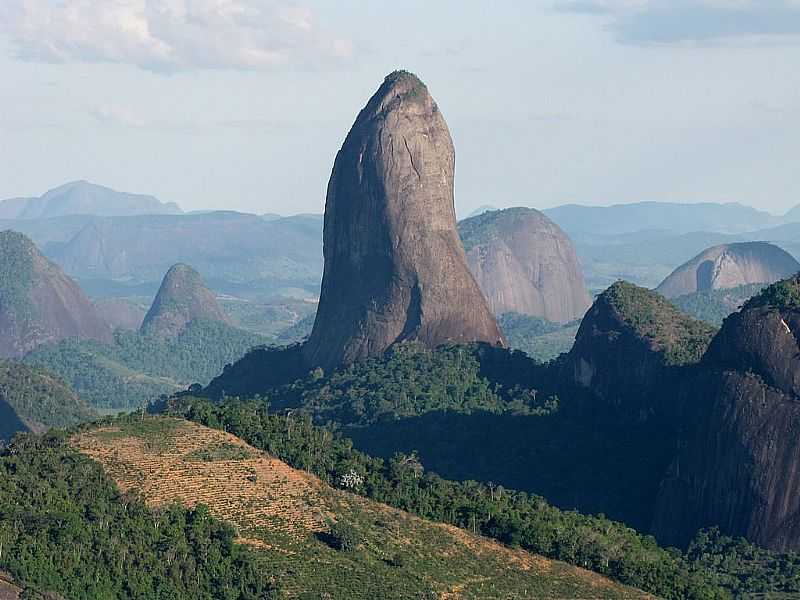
[395, 268]
[729, 266]
[525, 264]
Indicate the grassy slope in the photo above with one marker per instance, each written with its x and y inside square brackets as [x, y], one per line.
[285, 515]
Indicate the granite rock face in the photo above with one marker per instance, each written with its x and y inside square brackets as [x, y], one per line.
[738, 460]
[526, 264]
[182, 298]
[395, 268]
[39, 304]
[729, 266]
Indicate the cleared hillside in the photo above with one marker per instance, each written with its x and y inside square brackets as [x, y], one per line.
[286, 515]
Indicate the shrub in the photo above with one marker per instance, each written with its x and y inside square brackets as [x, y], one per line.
[345, 537]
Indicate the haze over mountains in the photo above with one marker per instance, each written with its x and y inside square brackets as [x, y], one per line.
[641, 242]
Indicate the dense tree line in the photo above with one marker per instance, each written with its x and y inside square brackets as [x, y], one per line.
[516, 518]
[65, 528]
[409, 380]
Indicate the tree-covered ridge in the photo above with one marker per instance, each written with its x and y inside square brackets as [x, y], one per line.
[409, 380]
[138, 367]
[784, 294]
[66, 528]
[516, 518]
[682, 339]
[16, 272]
[712, 306]
[40, 398]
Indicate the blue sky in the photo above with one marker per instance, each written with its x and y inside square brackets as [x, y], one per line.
[242, 104]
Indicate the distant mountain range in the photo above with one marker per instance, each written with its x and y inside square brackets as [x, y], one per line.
[234, 251]
[578, 220]
[84, 198]
[114, 242]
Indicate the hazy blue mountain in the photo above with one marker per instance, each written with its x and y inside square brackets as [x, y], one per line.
[84, 198]
[46, 232]
[576, 219]
[647, 255]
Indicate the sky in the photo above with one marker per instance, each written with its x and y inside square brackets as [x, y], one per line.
[243, 104]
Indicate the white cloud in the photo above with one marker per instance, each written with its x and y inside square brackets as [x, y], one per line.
[170, 35]
[680, 21]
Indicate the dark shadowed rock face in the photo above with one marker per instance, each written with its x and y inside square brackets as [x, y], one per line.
[626, 344]
[38, 303]
[738, 465]
[728, 266]
[394, 265]
[182, 298]
[525, 264]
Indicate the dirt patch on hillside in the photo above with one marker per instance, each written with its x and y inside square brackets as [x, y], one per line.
[250, 493]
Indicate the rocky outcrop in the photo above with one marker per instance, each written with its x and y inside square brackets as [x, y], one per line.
[182, 298]
[738, 460]
[38, 303]
[626, 344]
[525, 264]
[395, 268]
[729, 266]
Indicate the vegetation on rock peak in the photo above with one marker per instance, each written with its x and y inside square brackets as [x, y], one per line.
[681, 338]
[784, 294]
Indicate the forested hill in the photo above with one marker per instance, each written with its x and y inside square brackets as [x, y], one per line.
[34, 399]
[138, 367]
